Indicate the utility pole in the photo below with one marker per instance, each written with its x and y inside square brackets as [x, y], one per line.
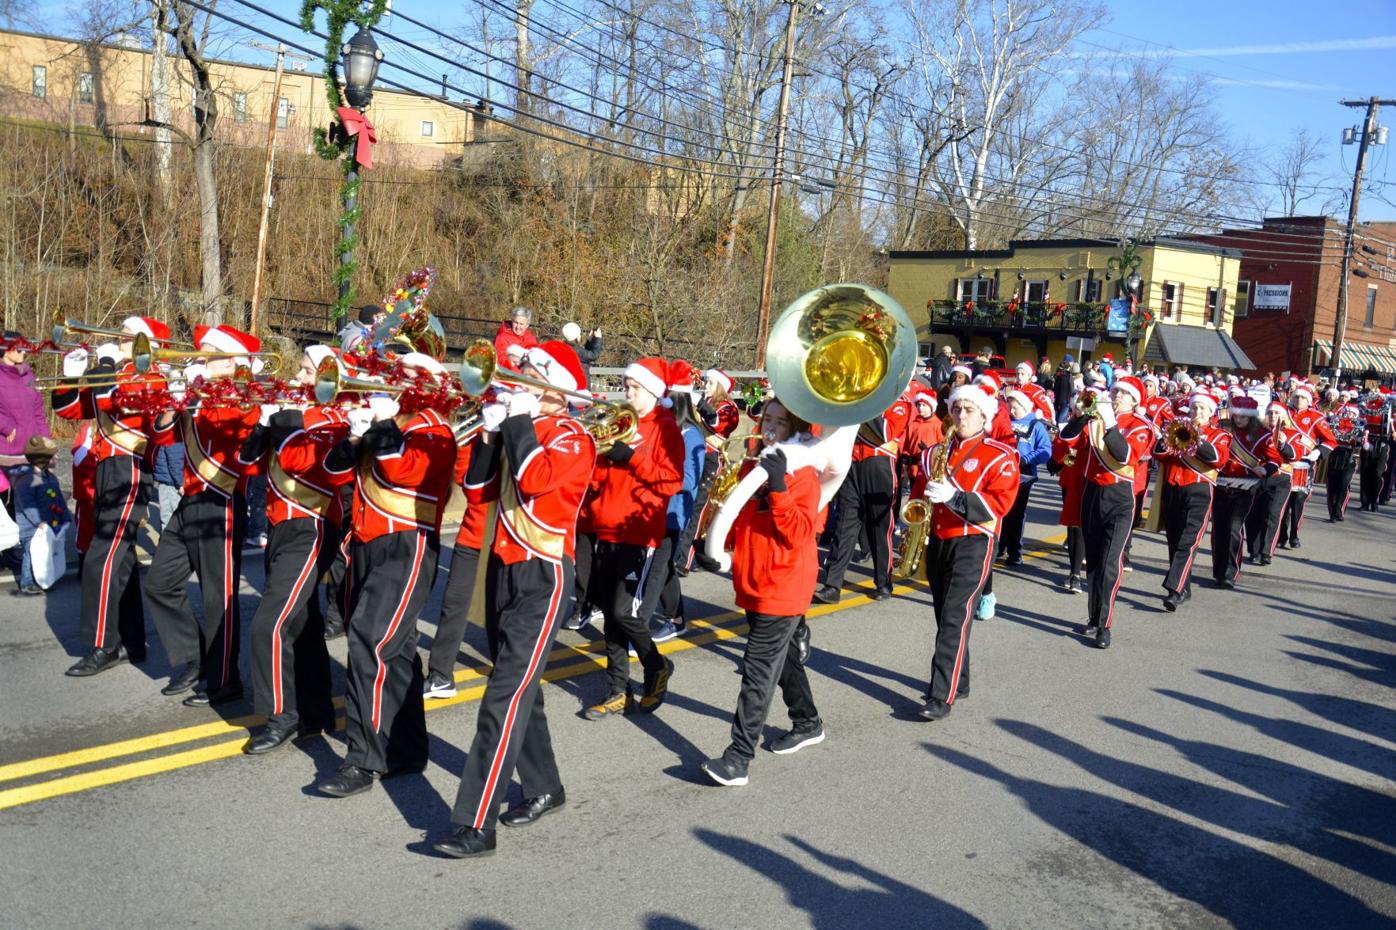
[160, 100]
[768, 270]
[1369, 126]
[263, 223]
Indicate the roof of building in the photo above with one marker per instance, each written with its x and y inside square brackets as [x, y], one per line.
[1017, 245]
[1201, 346]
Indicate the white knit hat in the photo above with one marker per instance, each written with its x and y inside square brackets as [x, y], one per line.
[987, 403]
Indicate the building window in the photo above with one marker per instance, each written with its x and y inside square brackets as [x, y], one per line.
[975, 289]
[1243, 300]
[1215, 306]
[1035, 292]
[240, 107]
[1172, 301]
[428, 129]
[85, 87]
[40, 87]
[1088, 291]
[283, 113]
[1371, 306]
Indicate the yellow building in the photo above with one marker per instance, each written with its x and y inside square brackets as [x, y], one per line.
[69, 82]
[1051, 298]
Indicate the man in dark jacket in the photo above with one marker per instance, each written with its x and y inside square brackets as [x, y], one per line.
[21, 406]
[1061, 387]
[587, 352]
[940, 367]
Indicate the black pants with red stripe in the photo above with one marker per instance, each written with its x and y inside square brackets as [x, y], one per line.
[1186, 508]
[1107, 516]
[1230, 507]
[122, 494]
[1294, 514]
[204, 536]
[523, 605]
[290, 664]
[956, 569]
[336, 578]
[130, 612]
[1341, 464]
[865, 501]
[625, 584]
[1372, 472]
[455, 607]
[390, 579]
[1263, 522]
[770, 659]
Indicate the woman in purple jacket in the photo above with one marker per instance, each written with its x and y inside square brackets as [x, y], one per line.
[21, 406]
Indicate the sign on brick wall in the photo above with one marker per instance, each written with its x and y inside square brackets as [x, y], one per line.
[1271, 297]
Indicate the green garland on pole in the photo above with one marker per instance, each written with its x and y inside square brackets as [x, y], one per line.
[334, 144]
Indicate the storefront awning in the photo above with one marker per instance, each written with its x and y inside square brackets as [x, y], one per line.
[1201, 346]
[1361, 356]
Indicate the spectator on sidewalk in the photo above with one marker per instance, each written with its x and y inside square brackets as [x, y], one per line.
[587, 352]
[514, 338]
[38, 500]
[21, 405]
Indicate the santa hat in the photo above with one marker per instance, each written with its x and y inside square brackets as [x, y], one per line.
[154, 329]
[1202, 398]
[422, 362]
[1276, 405]
[223, 338]
[1150, 378]
[963, 370]
[721, 377]
[1244, 405]
[651, 373]
[976, 394]
[318, 353]
[1130, 385]
[1022, 367]
[1107, 357]
[989, 380]
[1020, 397]
[680, 376]
[926, 397]
[1041, 400]
[558, 364]
[108, 352]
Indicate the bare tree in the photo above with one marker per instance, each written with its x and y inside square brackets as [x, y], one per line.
[1295, 172]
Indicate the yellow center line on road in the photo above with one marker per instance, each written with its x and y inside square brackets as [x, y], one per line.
[724, 626]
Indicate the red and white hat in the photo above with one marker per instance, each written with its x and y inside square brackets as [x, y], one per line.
[680, 376]
[1107, 357]
[557, 363]
[979, 395]
[926, 397]
[317, 354]
[422, 362]
[155, 330]
[1204, 399]
[1041, 400]
[1244, 405]
[223, 338]
[1131, 385]
[651, 373]
[965, 370]
[1025, 366]
[989, 380]
[721, 377]
[1021, 397]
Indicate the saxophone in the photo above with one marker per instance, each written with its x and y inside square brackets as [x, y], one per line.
[916, 514]
[735, 451]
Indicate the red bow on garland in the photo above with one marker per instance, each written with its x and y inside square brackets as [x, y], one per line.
[356, 124]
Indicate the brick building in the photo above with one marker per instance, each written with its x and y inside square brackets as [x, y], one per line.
[1287, 295]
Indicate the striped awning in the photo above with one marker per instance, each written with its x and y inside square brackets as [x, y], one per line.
[1362, 356]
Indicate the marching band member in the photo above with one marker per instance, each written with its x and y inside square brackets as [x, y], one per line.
[1347, 426]
[539, 465]
[305, 517]
[775, 565]
[668, 621]
[720, 418]
[1116, 438]
[1283, 447]
[626, 511]
[1376, 446]
[205, 533]
[123, 488]
[1189, 477]
[1069, 463]
[865, 502]
[1034, 446]
[971, 480]
[1237, 487]
[1156, 411]
[1315, 426]
[401, 463]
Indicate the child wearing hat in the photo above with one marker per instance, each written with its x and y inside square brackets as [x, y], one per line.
[38, 500]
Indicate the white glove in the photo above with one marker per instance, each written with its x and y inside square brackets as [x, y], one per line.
[1106, 412]
[522, 403]
[382, 408]
[1312, 456]
[492, 415]
[360, 419]
[938, 492]
[176, 390]
[514, 353]
[109, 352]
[75, 363]
[267, 411]
[195, 370]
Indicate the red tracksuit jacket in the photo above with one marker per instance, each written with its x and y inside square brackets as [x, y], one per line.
[629, 503]
[775, 561]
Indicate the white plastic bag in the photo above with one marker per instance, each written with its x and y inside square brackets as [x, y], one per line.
[48, 555]
[9, 532]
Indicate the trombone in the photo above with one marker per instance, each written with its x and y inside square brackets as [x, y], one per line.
[144, 355]
[62, 326]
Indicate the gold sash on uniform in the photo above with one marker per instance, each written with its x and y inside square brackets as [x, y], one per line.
[306, 495]
[530, 533]
[1112, 464]
[121, 435]
[395, 502]
[213, 474]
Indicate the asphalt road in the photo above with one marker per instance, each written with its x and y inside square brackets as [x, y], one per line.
[1231, 764]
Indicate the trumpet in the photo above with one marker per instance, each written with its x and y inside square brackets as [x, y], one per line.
[1089, 403]
[607, 421]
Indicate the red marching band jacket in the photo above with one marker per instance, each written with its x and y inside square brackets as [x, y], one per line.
[1158, 410]
[986, 471]
[471, 534]
[629, 502]
[212, 438]
[298, 484]
[1181, 470]
[539, 479]
[115, 432]
[775, 562]
[404, 488]
[882, 435]
[1314, 426]
[1069, 455]
[1250, 454]
[1103, 468]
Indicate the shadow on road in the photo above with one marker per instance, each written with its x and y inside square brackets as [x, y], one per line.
[1372, 719]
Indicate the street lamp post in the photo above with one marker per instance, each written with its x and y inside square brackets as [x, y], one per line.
[361, 58]
[1133, 284]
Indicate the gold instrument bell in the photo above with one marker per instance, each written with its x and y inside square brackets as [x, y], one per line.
[841, 354]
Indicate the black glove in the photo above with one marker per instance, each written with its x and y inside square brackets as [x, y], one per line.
[620, 453]
[775, 466]
[289, 420]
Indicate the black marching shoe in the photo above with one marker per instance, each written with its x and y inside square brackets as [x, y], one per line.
[1265, 560]
[533, 808]
[224, 695]
[1171, 600]
[1087, 629]
[1226, 584]
[802, 637]
[184, 679]
[273, 736]
[98, 660]
[828, 594]
[730, 773]
[347, 782]
[1102, 638]
[1294, 543]
[934, 709]
[465, 843]
[881, 592]
[1282, 544]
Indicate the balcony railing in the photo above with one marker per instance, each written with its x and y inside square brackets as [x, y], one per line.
[1015, 315]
